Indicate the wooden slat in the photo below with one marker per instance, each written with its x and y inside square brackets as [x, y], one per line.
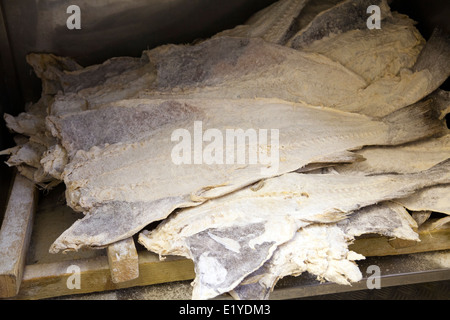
[123, 261]
[51, 279]
[15, 234]
[431, 239]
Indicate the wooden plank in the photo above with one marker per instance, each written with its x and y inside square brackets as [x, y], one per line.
[51, 279]
[57, 279]
[432, 238]
[123, 261]
[15, 234]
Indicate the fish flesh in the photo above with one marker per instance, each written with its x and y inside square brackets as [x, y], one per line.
[305, 198]
[407, 158]
[345, 16]
[374, 54]
[308, 13]
[135, 169]
[435, 198]
[67, 87]
[322, 250]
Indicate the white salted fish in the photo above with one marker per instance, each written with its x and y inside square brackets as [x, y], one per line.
[376, 53]
[345, 16]
[388, 219]
[406, 84]
[303, 198]
[239, 68]
[435, 198]
[124, 186]
[322, 250]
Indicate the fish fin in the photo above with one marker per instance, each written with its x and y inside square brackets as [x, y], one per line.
[417, 121]
[440, 172]
[435, 57]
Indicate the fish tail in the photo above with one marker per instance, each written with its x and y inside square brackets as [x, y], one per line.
[439, 173]
[414, 122]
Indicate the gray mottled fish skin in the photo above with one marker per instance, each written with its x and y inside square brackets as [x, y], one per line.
[222, 257]
[442, 102]
[388, 219]
[66, 75]
[50, 69]
[272, 23]
[116, 124]
[331, 260]
[306, 199]
[143, 171]
[435, 57]
[345, 16]
[387, 51]
[240, 68]
[319, 249]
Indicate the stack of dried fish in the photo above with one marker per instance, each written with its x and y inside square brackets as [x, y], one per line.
[362, 103]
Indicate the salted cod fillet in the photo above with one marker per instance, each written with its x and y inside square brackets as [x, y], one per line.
[303, 198]
[322, 250]
[241, 68]
[408, 158]
[124, 186]
[68, 87]
[373, 54]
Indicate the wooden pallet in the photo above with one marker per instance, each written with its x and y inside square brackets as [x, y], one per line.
[28, 271]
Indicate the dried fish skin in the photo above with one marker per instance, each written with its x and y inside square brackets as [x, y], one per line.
[322, 250]
[223, 257]
[240, 68]
[137, 119]
[64, 74]
[237, 68]
[435, 57]
[388, 219]
[50, 69]
[309, 12]
[388, 50]
[345, 16]
[399, 84]
[272, 23]
[302, 198]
